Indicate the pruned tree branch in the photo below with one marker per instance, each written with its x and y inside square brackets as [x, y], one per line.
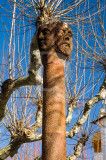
[15, 84]
[29, 134]
[70, 109]
[77, 149]
[23, 134]
[26, 135]
[32, 79]
[100, 96]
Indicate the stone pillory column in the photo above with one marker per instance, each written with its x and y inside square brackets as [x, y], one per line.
[55, 44]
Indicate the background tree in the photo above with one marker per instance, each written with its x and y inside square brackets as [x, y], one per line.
[85, 73]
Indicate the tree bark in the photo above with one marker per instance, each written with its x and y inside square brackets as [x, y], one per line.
[53, 124]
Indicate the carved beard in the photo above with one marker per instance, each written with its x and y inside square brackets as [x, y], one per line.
[64, 41]
[63, 47]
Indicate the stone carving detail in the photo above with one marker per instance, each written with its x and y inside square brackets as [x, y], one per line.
[55, 36]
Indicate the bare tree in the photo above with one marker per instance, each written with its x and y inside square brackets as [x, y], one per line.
[84, 71]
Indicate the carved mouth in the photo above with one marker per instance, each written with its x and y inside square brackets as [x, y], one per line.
[66, 44]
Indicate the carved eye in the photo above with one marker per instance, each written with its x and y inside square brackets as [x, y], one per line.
[67, 38]
[70, 33]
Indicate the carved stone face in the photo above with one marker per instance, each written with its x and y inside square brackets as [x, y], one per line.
[57, 36]
[46, 39]
[64, 39]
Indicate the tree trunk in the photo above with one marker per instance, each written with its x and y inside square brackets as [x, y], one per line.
[53, 128]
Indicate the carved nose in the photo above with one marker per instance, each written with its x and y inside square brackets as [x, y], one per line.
[41, 36]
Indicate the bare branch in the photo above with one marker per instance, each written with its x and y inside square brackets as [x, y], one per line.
[38, 123]
[78, 148]
[25, 136]
[70, 109]
[4, 97]
[100, 96]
